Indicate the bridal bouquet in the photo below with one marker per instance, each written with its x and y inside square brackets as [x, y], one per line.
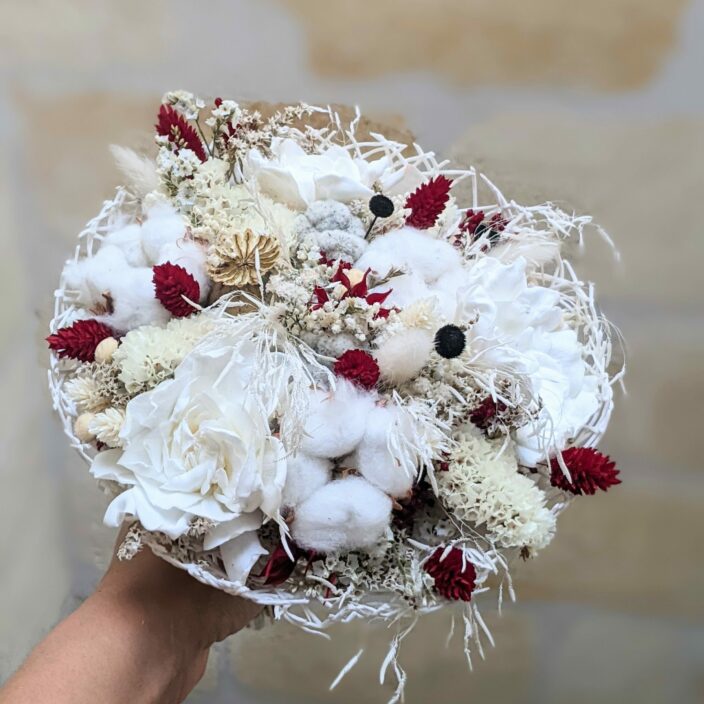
[328, 372]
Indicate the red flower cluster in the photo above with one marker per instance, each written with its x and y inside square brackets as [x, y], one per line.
[358, 290]
[359, 367]
[173, 125]
[454, 576]
[427, 202]
[172, 285]
[590, 470]
[485, 412]
[474, 224]
[80, 339]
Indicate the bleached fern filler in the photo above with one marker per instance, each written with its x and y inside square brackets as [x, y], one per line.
[330, 374]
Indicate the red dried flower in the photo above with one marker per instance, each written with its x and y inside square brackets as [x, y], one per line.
[427, 202]
[485, 412]
[279, 567]
[359, 290]
[173, 125]
[454, 575]
[172, 285]
[80, 339]
[359, 367]
[590, 470]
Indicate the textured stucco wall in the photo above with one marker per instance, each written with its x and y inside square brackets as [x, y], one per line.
[598, 105]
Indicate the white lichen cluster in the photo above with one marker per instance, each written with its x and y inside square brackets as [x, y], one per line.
[483, 488]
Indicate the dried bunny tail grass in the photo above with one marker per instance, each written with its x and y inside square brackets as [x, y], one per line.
[139, 171]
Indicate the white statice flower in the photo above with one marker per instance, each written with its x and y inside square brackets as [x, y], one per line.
[148, 355]
[521, 328]
[106, 426]
[298, 178]
[200, 446]
[483, 487]
[185, 102]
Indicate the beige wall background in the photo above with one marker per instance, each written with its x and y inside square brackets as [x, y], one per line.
[599, 105]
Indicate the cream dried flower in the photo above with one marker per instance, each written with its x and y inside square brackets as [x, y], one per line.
[482, 486]
[149, 354]
[106, 426]
[238, 260]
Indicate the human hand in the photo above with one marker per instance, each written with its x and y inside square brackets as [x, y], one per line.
[143, 636]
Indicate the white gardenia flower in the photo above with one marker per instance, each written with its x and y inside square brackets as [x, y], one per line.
[297, 178]
[199, 445]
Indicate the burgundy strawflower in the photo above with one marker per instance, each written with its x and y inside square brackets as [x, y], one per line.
[173, 125]
[590, 470]
[80, 339]
[359, 367]
[454, 575]
[172, 285]
[427, 202]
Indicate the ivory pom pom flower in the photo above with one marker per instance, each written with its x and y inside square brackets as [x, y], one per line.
[482, 486]
[149, 354]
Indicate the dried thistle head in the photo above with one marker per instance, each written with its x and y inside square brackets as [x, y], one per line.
[238, 260]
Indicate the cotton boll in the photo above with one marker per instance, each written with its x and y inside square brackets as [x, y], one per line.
[413, 250]
[129, 240]
[162, 226]
[192, 257]
[134, 302]
[405, 290]
[402, 356]
[97, 275]
[330, 344]
[304, 475]
[346, 514]
[336, 420]
[373, 459]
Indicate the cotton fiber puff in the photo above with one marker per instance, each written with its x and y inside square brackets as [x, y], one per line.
[129, 240]
[374, 459]
[410, 249]
[134, 303]
[336, 420]
[162, 226]
[94, 276]
[304, 475]
[402, 355]
[337, 232]
[346, 514]
[107, 276]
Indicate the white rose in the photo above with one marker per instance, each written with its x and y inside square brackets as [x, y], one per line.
[299, 179]
[199, 445]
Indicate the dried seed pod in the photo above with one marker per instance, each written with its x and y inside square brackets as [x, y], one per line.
[233, 260]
